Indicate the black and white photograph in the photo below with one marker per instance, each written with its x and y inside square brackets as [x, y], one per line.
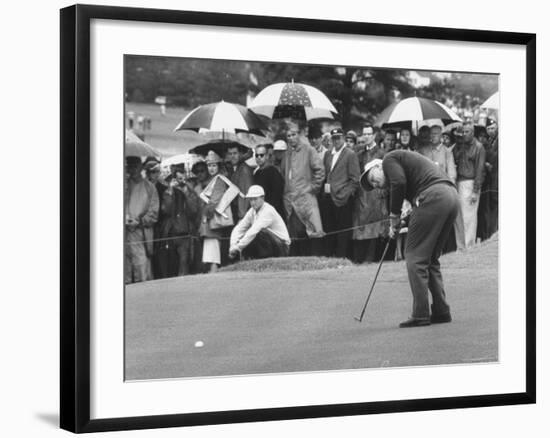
[289, 218]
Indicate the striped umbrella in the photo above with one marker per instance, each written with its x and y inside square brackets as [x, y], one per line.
[136, 147]
[416, 109]
[295, 100]
[222, 117]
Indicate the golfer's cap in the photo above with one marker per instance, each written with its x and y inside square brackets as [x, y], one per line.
[255, 192]
[364, 181]
[336, 131]
[279, 145]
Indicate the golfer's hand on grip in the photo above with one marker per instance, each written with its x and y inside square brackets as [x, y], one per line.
[394, 226]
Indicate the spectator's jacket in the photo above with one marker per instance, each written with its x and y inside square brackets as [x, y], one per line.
[370, 209]
[180, 213]
[441, 156]
[242, 177]
[344, 176]
[142, 204]
[304, 174]
[470, 163]
[273, 184]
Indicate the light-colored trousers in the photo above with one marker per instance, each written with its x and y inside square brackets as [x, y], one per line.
[466, 221]
[137, 266]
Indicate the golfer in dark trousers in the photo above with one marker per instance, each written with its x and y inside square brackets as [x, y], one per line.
[409, 175]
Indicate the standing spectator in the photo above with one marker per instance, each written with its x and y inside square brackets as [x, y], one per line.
[342, 180]
[304, 174]
[447, 138]
[488, 203]
[370, 208]
[406, 141]
[141, 210]
[351, 140]
[470, 160]
[152, 172]
[315, 137]
[216, 188]
[389, 140]
[270, 179]
[179, 227]
[279, 151]
[423, 136]
[240, 174]
[439, 154]
[361, 144]
[262, 232]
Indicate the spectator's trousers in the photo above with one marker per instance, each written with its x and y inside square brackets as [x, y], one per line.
[466, 221]
[430, 223]
[265, 244]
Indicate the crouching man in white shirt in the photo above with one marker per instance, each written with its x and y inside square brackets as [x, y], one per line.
[261, 233]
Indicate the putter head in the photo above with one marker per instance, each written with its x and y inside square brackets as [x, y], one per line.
[358, 319]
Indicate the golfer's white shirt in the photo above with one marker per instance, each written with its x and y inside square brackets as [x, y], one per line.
[253, 222]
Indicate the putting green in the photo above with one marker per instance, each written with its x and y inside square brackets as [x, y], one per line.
[270, 322]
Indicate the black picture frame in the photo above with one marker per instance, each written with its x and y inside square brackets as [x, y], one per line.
[75, 217]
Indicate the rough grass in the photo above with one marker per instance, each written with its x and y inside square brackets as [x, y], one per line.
[288, 264]
[482, 250]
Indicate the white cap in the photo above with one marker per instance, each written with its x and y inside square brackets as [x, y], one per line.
[279, 145]
[255, 192]
[364, 182]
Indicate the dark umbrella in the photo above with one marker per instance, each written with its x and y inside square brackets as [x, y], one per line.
[218, 146]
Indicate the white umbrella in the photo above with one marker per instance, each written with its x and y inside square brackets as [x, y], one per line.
[136, 147]
[493, 102]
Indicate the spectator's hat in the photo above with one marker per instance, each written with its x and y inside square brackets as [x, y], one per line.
[152, 166]
[364, 181]
[132, 161]
[255, 192]
[352, 135]
[279, 145]
[490, 122]
[212, 157]
[151, 159]
[336, 132]
[458, 131]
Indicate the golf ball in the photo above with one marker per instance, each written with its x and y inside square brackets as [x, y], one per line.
[199, 344]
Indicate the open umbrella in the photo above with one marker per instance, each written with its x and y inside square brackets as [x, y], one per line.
[136, 147]
[218, 146]
[295, 100]
[493, 102]
[414, 110]
[222, 117]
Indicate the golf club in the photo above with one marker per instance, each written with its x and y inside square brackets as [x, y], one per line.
[360, 318]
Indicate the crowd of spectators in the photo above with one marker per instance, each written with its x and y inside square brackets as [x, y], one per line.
[306, 182]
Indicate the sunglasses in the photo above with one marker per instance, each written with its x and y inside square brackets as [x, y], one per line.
[260, 155]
